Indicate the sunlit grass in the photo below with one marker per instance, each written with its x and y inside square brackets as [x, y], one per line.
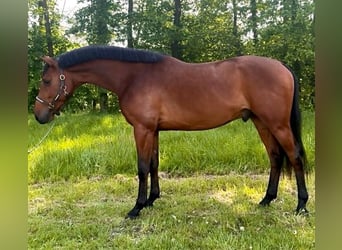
[83, 145]
[201, 212]
[83, 182]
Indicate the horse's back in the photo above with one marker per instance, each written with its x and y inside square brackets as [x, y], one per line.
[184, 96]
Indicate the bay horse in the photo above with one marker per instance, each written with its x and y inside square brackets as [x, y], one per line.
[158, 92]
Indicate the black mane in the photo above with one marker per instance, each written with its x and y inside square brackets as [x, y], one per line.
[93, 52]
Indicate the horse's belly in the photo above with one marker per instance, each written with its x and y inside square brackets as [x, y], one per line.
[205, 109]
[195, 121]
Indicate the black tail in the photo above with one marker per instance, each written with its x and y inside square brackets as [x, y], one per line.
[296, 125]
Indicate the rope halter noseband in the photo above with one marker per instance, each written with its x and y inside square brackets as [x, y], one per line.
[62, 90]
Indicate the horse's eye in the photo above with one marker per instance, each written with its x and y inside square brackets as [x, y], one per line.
[46, 81]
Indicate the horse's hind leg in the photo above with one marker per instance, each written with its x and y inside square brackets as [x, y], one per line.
[285, 137]
[276, 156]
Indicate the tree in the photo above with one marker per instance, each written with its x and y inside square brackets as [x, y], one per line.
[254, 22]
[193, 30]
[288, 36]
[130, 41]
[98, 23]
[48, 33]
[176, 50]
[236, 35]
[154, 25]
[44, 38]
[207, 31]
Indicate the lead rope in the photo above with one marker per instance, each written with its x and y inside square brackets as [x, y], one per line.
[43, 138]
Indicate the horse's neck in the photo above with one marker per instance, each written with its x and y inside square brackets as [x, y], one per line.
[111, 75]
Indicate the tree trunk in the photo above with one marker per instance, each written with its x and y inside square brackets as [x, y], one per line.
[103, 100]
[102, 36]
[176, 50]
[237, 43]
[294, 9]
[47, 24]
[130, 43]
[254, 21]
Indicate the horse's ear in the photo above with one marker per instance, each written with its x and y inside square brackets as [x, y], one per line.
[49, 61]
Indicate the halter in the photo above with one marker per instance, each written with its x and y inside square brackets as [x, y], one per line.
[62, 89]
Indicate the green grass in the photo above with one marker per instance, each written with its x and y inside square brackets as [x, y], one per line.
[201, 212]
[84, 145]
[82, 182]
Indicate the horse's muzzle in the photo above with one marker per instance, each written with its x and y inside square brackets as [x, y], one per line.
[42, 120]
[44, 116]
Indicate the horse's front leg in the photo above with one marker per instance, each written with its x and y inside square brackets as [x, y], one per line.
[144, 139]
[155, 191]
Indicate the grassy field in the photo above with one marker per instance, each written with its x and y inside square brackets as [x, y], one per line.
[201, 212]
[82, 182]
[84, 145]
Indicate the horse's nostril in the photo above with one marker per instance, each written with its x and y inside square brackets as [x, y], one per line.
[41, 121]
[43, 117]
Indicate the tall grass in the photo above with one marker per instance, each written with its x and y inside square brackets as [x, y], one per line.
[89, 144]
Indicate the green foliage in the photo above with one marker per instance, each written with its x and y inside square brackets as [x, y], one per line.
[280, 29]
[207, 33]
[153, 25]
[37, 45]
[97, 21]
[289, 37]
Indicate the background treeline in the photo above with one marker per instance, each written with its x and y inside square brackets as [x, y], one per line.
[191, 30]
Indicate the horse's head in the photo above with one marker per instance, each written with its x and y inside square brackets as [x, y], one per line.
[53, 92]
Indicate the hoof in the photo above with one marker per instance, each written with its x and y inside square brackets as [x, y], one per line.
[302, 211]
[149, 203]
[265, 202]
[151, 199]
[134, 213]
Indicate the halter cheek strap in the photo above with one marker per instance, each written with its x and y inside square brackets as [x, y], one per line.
[62, 90]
